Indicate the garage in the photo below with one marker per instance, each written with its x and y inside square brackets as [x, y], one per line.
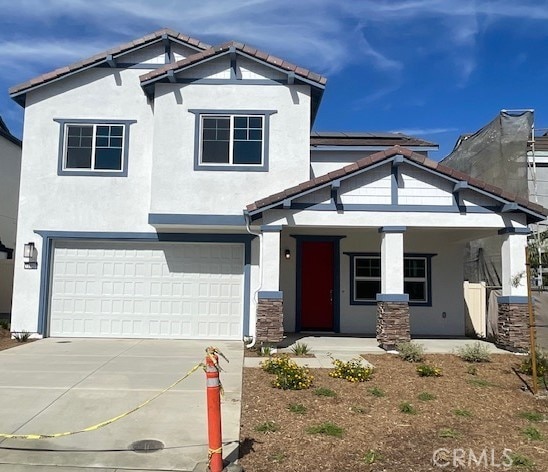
[147, 290]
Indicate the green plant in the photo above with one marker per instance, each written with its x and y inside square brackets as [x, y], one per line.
[462, 413]
[542, 363]
[352, 370]
[425, 396]
[265, 351]
[371, 456]
[327, 428]
[289, 376]
[300, 349]
[533, 416]
[297, 408]
[410, 351]
[475, 352]
[448, 433]
[480, 383]
[521, 461]
[324, 392]
[377, 392]
[472, 370]
[532, 433]
[21, 337]
[359, 409]
[425, 370]
[406, 407]
[278, 457]
[267, 427]
[4, 324]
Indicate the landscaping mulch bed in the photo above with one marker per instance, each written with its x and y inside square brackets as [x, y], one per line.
[377, 436]
[6, 342]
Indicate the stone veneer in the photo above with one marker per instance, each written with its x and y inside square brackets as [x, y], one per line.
[392, 324]
[270, 320]
[513, 327]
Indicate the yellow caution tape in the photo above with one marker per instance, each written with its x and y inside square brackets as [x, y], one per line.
[103, 423]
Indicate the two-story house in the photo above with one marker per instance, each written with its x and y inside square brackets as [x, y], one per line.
[10, 167]
[173, 189]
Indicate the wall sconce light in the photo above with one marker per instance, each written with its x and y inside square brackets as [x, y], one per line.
[29, 254]
[287, 254]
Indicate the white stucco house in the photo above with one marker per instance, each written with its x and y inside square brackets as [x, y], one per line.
[171, 189]
[10, 166]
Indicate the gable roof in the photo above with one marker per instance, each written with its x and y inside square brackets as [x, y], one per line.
[534, 209]
[5, 133]
[300, 72]
[351, 138]
[17, 92]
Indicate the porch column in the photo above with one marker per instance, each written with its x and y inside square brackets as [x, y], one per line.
[392, 302]
[513, 316]
[269, 328]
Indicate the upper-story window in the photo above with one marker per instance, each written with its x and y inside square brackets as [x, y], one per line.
[93, 147]
[232, 140]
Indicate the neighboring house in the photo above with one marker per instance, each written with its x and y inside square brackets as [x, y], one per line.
[10, 168]
[140, 169]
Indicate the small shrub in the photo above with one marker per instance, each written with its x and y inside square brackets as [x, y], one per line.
[377, 392]
[521, 461]
[411, 351]
[475, 352]
[448, 433]
[472, 370]
[289, 376]
[267, 427]
[425, 370]
[532, 433]
[278, 457]
[480, 383]
[533, 416]
[425, 396]
[371, 456]
[265, 351]
[463, 413]
[4, 324]
[22, 336]
[324, 392]
[359, 409]
[542, 363]
[300, 349]
[297, 408]
[327, 428]
[353, 370]
[407, 408]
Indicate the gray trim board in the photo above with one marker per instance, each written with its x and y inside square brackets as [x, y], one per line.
[392, 229]
[392, 297]
[271, 229]
[514, 299]
[275, 295]
[512, 230]
[195, 219]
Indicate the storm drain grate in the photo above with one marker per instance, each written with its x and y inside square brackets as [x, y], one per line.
[146, 446]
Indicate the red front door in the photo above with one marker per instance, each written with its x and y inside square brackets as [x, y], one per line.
[317, 285]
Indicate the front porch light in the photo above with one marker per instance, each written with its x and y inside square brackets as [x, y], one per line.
[29, 256]
[287, 254]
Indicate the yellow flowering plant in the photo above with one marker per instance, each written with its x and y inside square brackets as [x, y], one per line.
[352, 370]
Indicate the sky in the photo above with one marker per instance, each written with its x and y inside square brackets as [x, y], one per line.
[429, 68]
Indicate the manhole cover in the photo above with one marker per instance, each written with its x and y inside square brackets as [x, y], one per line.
[146, 446]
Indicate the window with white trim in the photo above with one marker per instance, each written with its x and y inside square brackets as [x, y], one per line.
[232, 140]
[366, 278]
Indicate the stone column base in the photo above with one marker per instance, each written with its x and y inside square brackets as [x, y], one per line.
[270, 317]
[513, 327]
[392, 324]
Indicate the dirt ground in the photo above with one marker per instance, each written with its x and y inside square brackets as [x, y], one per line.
[6, 342]
[473, 418]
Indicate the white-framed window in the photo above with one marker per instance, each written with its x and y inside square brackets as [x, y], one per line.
[366, 278]
[93, 147]
[232, 139]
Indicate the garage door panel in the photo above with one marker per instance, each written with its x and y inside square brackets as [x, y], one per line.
[174, 290]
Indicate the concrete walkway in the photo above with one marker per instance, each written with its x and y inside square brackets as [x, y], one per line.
[347, 347]
[56, 385]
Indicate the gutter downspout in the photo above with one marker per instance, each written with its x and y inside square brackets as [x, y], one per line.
[259, 286]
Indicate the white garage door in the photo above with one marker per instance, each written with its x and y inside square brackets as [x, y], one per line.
[147, 290]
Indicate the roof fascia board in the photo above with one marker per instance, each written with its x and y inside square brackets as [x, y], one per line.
[342, 147]
[321, 186]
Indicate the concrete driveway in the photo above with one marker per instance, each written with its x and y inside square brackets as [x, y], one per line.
[57, 385]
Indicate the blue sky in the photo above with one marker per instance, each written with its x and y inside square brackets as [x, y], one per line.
[430, 68]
